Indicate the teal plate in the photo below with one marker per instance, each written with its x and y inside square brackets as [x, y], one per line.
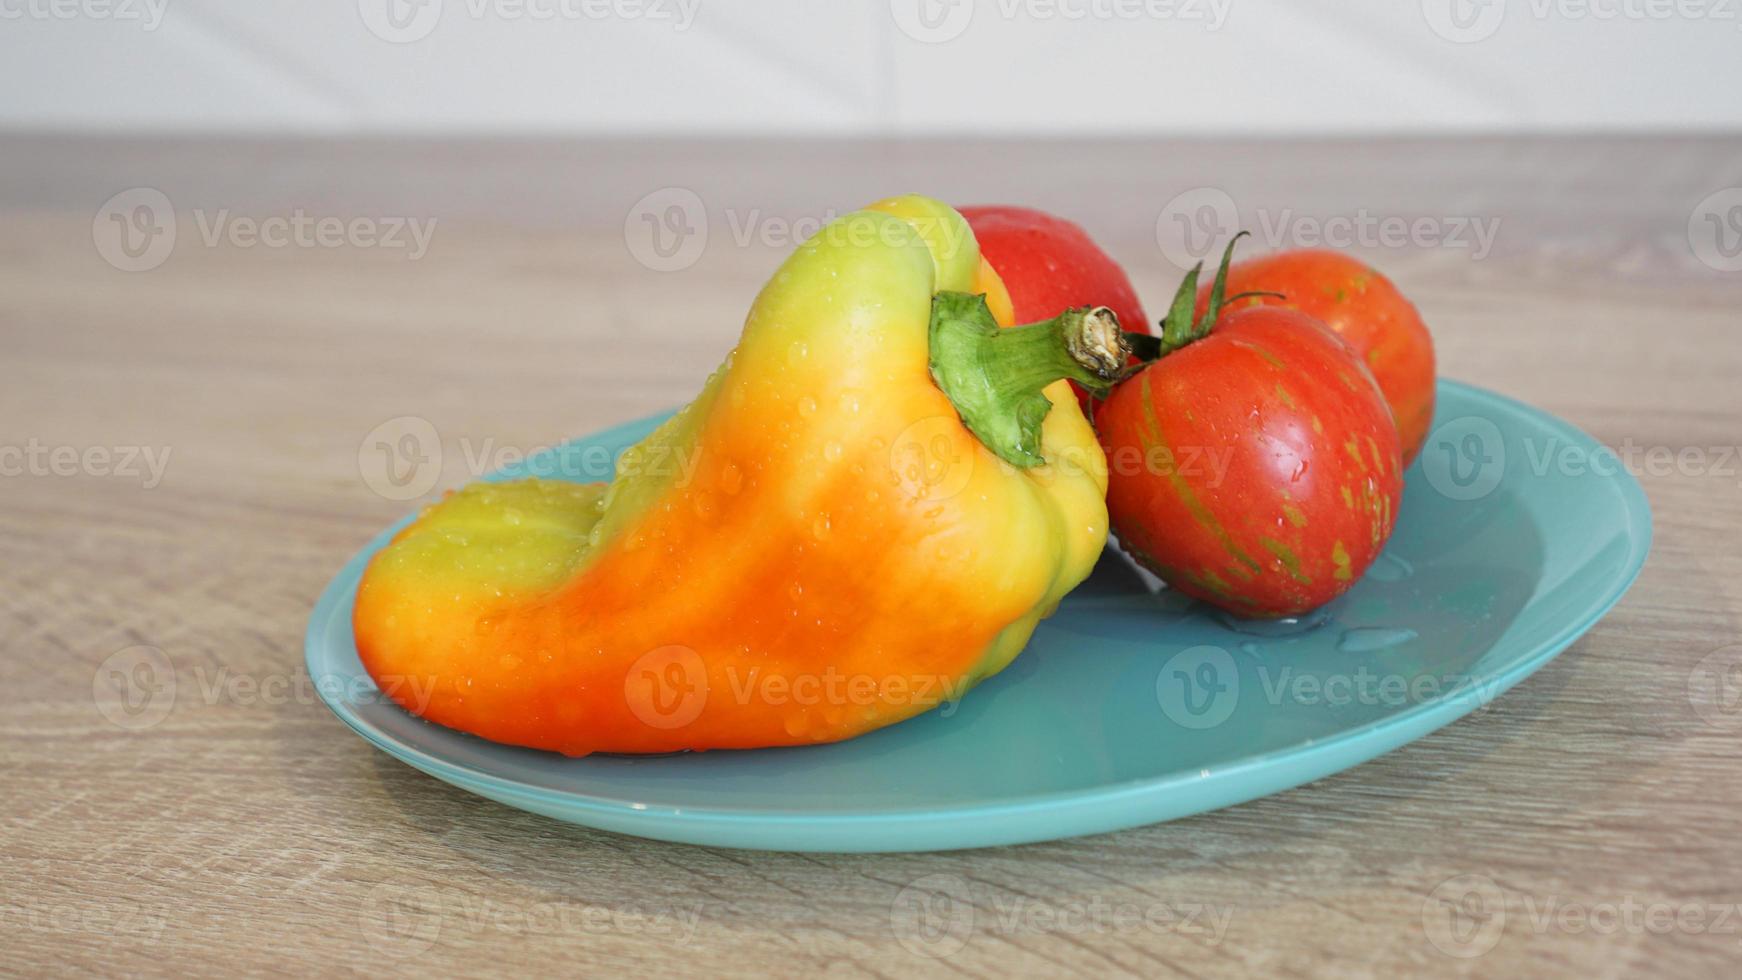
[1131, 705]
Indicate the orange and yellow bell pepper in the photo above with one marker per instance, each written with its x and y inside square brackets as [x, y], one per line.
[886, 492]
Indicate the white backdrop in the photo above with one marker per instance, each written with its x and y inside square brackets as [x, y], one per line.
[868, 67]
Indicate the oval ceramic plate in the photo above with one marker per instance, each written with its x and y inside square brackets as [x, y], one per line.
[1130, 706]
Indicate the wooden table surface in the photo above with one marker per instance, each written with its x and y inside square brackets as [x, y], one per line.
[185, 460]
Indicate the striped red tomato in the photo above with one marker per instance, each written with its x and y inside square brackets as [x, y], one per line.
[1254, 463]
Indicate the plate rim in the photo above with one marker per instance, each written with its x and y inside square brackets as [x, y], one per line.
[1067, 813]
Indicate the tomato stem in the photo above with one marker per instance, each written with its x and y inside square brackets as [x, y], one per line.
[1181, 327]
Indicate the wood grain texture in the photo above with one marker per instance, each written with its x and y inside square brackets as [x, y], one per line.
[248, 830]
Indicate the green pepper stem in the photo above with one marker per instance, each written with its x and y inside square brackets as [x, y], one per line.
[995, 377]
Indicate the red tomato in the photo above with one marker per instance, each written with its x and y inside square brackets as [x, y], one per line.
[1367, 311]
[1049, 265]
[1256, 467]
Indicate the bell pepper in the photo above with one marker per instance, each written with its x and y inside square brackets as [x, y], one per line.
[887, 490]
